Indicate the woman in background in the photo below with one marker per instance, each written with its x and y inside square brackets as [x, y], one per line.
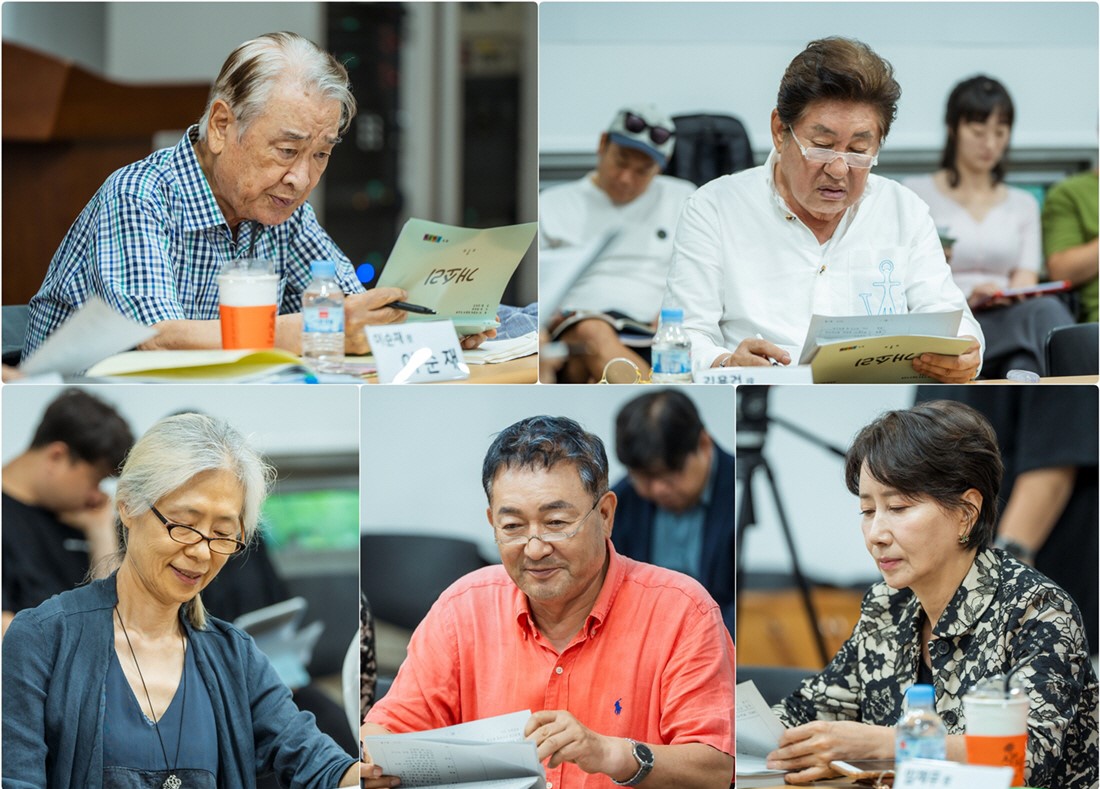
[951, 611]
[995, 229]
[127, 683]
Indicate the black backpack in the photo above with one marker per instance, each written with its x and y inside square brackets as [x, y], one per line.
[708, 146]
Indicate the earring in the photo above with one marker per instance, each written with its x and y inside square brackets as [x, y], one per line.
[964, 539]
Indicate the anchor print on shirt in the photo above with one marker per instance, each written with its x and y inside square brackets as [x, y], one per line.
[886, 303]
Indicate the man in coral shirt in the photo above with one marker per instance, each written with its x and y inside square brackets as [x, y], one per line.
[627, 666]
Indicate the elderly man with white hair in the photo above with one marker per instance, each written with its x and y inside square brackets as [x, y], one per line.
[154, 237]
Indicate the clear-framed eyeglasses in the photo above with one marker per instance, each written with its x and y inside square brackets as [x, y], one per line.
[189, 535]
[554, 531]
[858, 161]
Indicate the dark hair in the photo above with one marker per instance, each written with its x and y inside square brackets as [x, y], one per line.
[938, 449]
[93, 431]
[543, 442]
[974, 99]
[838, 69]
[657, 431]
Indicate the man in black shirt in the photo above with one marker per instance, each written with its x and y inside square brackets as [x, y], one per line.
[58, 524]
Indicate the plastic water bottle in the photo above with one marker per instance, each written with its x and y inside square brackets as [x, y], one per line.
[920, 733]
[323, 317]
[671, 351]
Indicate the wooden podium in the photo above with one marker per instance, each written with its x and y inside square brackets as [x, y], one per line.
[64, 131]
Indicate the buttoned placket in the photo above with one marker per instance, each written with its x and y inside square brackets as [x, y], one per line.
[556, 695]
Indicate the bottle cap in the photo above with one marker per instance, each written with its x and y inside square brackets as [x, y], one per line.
[673, 314]
[1023, 376]
[921, 696]
[323, 268]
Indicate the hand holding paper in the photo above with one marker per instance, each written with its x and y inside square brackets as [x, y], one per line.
[952, 369]
[560, 737]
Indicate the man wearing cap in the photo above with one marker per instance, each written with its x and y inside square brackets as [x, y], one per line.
[626, 196]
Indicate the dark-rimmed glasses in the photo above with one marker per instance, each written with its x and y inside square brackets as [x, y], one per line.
[189, 535]
[558, 531]
[636, 124]
[859, 161]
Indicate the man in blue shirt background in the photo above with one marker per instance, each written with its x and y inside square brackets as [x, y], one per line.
[676, 504]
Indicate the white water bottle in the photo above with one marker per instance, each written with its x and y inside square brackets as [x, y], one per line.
[920, 733]
[323, 317]
[671, 351]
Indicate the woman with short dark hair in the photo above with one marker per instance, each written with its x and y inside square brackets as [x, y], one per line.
[950, 611]
[993, 229]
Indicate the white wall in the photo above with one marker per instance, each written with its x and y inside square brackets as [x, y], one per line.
[153, 42]
[729, 57]
[278, 419]
[423, 446]
[189, 41]
[82, 39]
[823, 515]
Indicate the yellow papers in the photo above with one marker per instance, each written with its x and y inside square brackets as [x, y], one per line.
[880, 360]
[459, 272]
[214, 365]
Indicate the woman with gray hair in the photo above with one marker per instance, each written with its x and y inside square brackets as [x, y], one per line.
[126, 682]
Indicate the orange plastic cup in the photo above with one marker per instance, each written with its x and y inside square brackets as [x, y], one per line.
[996, 732]
[247, 291]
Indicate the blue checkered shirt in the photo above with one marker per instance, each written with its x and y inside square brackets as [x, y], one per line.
[152, 241]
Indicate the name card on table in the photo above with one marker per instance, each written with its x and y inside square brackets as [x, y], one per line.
[931, 774]
[417, 352]
[800, 374]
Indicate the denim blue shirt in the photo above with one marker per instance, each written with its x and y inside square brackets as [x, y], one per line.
[151, 243]
[54, 667]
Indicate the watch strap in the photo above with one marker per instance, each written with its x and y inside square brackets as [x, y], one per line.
[644, 765]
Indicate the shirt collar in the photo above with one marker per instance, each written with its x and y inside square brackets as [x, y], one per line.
[200, 207]
[970, 601]
[612, 582]
[712, 475]
[973, 597]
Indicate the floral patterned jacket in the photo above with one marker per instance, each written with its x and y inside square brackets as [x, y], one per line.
[1003, 614]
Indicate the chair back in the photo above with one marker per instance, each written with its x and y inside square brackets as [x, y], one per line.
[403, 574]
[1073, 350]
[775, 683]
[13, 321]
[708, 146]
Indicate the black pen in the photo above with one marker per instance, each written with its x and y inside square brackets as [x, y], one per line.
[404, 305]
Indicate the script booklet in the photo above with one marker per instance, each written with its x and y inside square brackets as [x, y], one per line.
[758, 732]
[489, 753]
[459, 272]
[878, 349]
[245, 366]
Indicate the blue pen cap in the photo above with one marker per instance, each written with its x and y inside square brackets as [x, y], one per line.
[323, 269]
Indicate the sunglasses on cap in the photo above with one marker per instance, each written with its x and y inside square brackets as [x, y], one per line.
[635, 124]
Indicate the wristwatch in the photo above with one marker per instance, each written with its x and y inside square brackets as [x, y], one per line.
[644, 756]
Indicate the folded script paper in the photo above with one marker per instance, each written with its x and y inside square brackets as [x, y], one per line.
[459, 272]
[484, 753]
[758, 731]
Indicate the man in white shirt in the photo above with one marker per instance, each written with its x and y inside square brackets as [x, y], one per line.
[812, 231]
[627, 196]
